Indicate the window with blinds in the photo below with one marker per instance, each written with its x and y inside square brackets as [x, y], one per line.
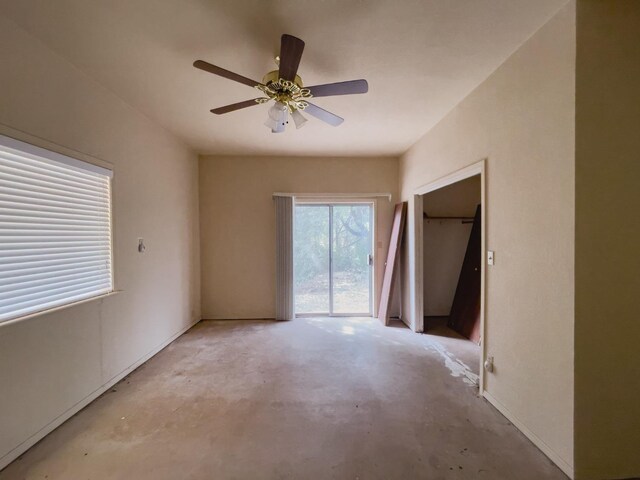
[55, 230]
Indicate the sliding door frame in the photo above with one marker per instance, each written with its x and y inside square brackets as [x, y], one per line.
[330, 203]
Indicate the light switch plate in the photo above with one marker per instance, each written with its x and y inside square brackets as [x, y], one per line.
[490, 257]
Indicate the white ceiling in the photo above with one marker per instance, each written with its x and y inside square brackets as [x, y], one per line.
[420, 57]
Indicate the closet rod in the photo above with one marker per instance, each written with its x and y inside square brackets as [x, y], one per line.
[428, 217]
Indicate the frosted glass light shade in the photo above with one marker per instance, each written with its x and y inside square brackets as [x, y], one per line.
[278, 117]
[298, 119]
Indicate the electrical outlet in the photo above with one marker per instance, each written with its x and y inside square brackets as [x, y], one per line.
[488, 364]
[490, 257]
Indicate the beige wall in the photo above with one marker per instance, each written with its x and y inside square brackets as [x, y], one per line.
[457, 200]
[51, 364]
[607, 333]
[521, 119]
[237, 221]
[444, 246]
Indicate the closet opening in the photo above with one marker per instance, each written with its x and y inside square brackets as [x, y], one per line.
[449, 271]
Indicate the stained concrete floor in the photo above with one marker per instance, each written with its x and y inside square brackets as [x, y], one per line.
[338, 398]
[464, 350]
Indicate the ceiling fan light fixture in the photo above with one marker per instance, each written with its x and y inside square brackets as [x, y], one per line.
[279, 128]
[271, 124]
[298, 119]
[285, 87]
[278, 117]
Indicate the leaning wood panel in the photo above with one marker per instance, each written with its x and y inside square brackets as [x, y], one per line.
[399, 217]
[465, 311]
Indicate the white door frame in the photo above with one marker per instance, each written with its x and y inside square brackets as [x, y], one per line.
[416, 254]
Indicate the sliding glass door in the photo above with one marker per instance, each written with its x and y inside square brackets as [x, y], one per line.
[311, 259]
[333, 259]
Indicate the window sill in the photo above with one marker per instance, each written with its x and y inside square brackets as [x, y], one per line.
[56, 309]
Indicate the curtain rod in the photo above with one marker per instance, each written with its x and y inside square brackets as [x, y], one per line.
[333, 195]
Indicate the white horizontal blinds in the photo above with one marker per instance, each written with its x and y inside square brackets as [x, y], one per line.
[55, 230]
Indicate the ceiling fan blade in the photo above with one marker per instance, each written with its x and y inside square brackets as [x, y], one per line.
[350, 87]
[235, 106]
[322, 114]
[290, 54]
[207, 67]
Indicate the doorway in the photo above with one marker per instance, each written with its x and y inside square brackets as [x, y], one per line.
[452, 257]
[333, 259]
[452, 269]
[421, 302]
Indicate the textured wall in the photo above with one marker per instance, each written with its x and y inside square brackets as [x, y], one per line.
[50, 363]
[237, 221]
[521, 119]
[607, 332]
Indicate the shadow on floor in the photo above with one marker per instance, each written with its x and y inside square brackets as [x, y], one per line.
[438, 326]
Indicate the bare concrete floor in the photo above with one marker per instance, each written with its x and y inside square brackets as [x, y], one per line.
[464, 350]
[312, 398]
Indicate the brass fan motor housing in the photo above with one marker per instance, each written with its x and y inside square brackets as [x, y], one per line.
[289, 93]
[274, 76]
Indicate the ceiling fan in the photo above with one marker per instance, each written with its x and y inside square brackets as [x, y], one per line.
[285, 87]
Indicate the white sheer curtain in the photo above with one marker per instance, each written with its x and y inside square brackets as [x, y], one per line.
[284, 257]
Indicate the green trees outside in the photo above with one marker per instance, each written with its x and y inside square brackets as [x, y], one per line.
[311, 244]
[352, 245]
